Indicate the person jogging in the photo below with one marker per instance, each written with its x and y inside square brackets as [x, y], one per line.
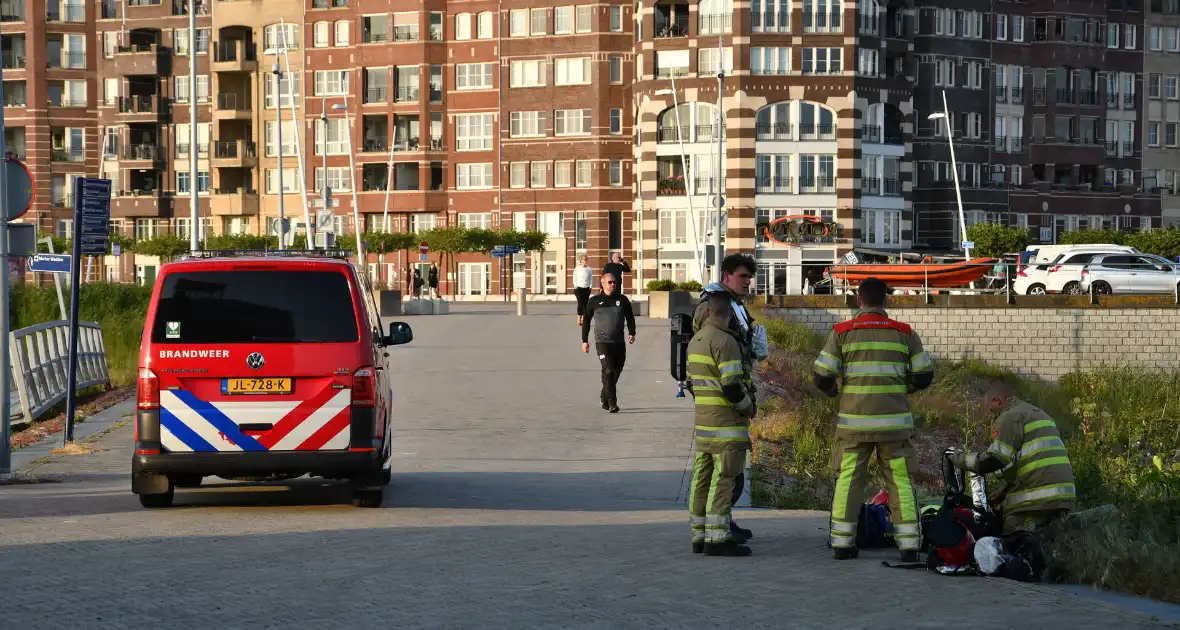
[607, 312]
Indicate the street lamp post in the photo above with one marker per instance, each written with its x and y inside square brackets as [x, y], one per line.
[324, 148]
[282, 215]
[358, 228]
[950, 133]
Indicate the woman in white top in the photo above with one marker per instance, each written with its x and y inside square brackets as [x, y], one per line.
[583, 278]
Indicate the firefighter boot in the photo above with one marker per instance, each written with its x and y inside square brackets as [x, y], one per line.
[846, 553]
[729, 548]
[740, 532]
[909, 555]
[698, 547]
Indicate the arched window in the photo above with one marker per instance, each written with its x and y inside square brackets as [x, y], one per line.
[463, 26]
[816, 122]
[773, 122]
[485, 25]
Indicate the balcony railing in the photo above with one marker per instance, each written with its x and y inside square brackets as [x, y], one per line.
[1016, 145]
[142, 151]
[180, 7]
[773, 131]
[1001, 143]
[233, 102]
[67, 59]
[1112, 99]
[435, 93]
[436, 33]
[380, 145]
[673, 186]
[1112, 148]
[137, 104]
[228, 50]
[66, 155]
[377, 95]
[676, 27]
[810, 131]
[817, 184]
[774, 185]
[67, 13]
[1065, 96]
[1088, 97]
[1039, 96]
[870, 133]
[890, 187]
[371, 37]
[1128, 147]
[12, 11]
[1128, 99]
[12, 98]
[706, 185]
[328, 4]
[408, 33]
[667, 73]
[713, 24]
[1001, 94]
[64, 101]
[407, 94]
[233, 149]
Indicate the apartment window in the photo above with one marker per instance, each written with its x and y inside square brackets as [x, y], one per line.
[1172, 39]
[279, 36]
[1129, 36]
[475, 220]
[616, 18]
[562, 20]
[339, 178]
[582, 18]
[182, 91]
[1153, 85]
[331, 82]
[182, 181]
[867, 62]
[473, 76]
[290, 180]
[1153, 134]
[583, 170]
[486, 20]
[616, 69]
[709, 60]
[419, 222]
[473, 132]
[616, 121]
[567, 122]
[272, 131]
[561, 174]
[537, 19]
[1112, 34]
[288, 89]
[526, 124]
[822, 16]
[616, 172]
[336, 138]
[1170, 86]
[341, 28]
[538, 174]
[321, 34]
[1170, 134]
[774, 60]
[673, 228]
[881, 227]
[571, 71]
[1155, 39]
[1001, 27]
[518, 174]
[821, 60]
[769, 16]
[527, 73]
[469, 176]
[1017, 28]
[463, 26]
[518, 23]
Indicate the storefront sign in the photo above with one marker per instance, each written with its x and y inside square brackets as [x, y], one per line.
[800, 228]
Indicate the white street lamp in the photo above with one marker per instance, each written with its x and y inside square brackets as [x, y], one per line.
[950, 133]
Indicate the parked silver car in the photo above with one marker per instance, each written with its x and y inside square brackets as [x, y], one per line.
[1130, 273]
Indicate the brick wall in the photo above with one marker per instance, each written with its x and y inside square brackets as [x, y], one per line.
[1041, 343]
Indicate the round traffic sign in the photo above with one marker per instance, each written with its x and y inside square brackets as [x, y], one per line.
[21, 189]
[423, 247]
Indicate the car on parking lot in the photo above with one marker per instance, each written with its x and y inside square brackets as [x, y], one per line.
[1063, 274]
[1130, 273]
[262, 366]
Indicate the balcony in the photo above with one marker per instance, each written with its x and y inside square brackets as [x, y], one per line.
[706, 185]
[375, 95]
[15, 94]
[67, 60]
[235, 153]
[180, 7]
[406, 94]
[12, 60]
[1088, 97]
[405, 33]
[1065, 96]
[774, 185]
[688, 134]
[810, 131]
[669, 72]
[234, 55]
[671, 20]
[1016, 95]
[714, 24]
[136, 59]
[68, 13]
[234, 202]
[72, 154]
[144, 151]
[671, 186]
[140, 106]
[231, 106]
[822, 184]
[406, 177]
[12, 11]
[773, 131]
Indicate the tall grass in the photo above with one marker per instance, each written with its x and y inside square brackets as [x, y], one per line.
[119, 308]
[1121, 426]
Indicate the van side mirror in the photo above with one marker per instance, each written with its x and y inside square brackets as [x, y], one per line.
[399, 334]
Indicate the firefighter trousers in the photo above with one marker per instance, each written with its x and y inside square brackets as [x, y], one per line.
[710, 496]
[897, 462]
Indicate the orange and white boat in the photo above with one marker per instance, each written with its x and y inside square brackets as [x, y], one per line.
[922, 274]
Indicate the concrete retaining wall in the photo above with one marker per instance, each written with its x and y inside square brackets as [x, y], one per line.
[1036, 342]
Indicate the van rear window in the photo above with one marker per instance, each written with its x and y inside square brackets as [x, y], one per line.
[255, 306]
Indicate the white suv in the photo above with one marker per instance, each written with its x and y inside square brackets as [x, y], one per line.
[1062, 275]
[1130, 273]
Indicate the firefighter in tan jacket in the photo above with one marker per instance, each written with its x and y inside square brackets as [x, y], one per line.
[722, 434]
[880, 362]
[1027, 449]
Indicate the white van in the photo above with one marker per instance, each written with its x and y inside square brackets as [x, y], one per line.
[1047, 253]
[1058, 268]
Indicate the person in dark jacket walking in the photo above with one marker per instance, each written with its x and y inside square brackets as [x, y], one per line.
[616, 267]
[432, 279]
[607, 312]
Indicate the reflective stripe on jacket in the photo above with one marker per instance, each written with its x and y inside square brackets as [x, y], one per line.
[1028, 444]
[714, 362]
[875, 356]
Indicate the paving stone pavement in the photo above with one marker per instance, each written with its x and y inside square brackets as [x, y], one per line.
[516, 503]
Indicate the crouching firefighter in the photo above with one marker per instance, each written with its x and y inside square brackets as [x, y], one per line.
[1027, 448]
[722, 435]
[880, 361]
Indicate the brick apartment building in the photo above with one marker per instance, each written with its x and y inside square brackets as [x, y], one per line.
[580, 120]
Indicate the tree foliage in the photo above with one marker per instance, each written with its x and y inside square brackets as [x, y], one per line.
[165, 246]
[993, 240]
[1164, 243]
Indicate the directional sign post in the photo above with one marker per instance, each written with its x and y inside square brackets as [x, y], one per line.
[92, 216]
[50, 263]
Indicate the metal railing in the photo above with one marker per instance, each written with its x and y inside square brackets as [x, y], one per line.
[233, 102]
[774, 185]
[67, 13]
[142, 151]
[810, 131]
[406, 33]
[10, 60]
[675, 27]
[407, 94]
[773, 131]
[713, 24]
[376, 95]
[137, 104]
[231, 149]
[40, 363]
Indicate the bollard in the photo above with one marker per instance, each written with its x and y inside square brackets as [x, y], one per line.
[520, 302]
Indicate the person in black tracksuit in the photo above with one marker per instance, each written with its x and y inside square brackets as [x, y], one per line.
[608, 311]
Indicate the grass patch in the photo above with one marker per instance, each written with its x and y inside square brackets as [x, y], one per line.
[1121, 426]
[119, 308]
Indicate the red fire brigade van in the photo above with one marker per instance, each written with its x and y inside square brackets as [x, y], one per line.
[263, 366]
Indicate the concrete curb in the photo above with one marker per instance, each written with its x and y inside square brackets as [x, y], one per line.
[109, 418]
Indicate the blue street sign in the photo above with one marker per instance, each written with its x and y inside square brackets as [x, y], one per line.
[92, 214]
[50, 263]
[502, 250]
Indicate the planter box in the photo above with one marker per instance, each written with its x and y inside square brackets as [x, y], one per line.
[389, 302]
[427, 307]
[665, 304]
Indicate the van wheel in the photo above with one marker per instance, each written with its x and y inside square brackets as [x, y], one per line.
[1073, 288]
[367, 498]
[1037, 289]
[161, 500]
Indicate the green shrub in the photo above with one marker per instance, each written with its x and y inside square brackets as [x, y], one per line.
[692, 286]
[661, 285]
[119, 308]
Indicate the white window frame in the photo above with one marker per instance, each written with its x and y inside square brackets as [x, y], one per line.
[473, 76]
[473, 132]
[572, 71]
[474, 176]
